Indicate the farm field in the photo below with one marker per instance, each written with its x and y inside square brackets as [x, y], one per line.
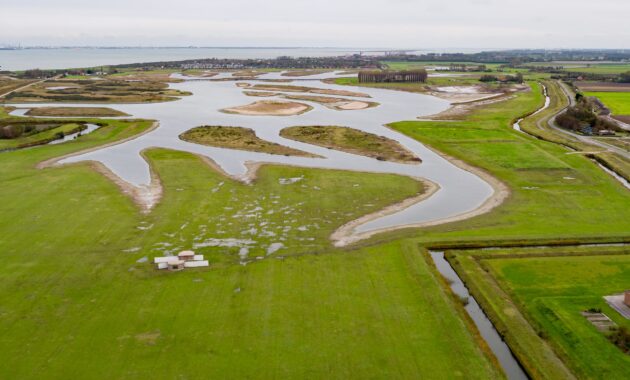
[555, 290]
[618, 102]
[114, 315]
[602, 68]
[535, 296]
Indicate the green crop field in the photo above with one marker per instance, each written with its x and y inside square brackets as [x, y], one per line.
[553, 291]
[602, 68]
[618, 102]
[535, 297]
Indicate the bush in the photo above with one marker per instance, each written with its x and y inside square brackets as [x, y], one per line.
[625, 77]
[488, 78]
[621, 339]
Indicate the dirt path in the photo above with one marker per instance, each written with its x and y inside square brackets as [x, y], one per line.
[28, 85]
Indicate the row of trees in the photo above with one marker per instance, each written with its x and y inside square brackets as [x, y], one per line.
[14, 131]
[583, 118]
[518, 78]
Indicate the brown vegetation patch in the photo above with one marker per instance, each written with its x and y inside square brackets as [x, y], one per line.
[352, 141]
[247, 73]
[304, 73]
[116, 90]
[312, 90]
[237, 138]
[603, 86]
[197, 73]
[75, 112]
[261, 94]
[270, 108]
[8, 84]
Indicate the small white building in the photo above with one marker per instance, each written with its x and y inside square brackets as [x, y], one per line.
[184, 259]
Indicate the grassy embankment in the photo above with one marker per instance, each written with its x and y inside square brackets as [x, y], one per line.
[78, 284]
[352, 141]
[237, 138]
[535, 297]
[75, 112]
[106, 90]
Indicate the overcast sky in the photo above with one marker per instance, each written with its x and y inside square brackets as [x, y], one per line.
[319, 23]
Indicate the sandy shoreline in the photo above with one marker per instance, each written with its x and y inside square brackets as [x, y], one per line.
[344, 235]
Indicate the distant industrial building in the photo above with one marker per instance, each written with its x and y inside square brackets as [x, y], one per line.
[404, 76]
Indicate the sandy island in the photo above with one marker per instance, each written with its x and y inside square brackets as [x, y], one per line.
[270, 108]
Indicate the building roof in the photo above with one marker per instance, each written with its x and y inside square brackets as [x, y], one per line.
[186, 253]
[176, 262]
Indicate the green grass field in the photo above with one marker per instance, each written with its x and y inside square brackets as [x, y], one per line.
[553, 291]
[76, 303]
[618, 102]
[80, 300]
[602, 68]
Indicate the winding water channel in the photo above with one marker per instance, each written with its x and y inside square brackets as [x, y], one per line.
[460, 191]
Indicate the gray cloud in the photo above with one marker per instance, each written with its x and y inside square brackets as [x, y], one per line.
[394, 24]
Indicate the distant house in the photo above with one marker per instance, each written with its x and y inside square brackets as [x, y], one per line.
[374, 76]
